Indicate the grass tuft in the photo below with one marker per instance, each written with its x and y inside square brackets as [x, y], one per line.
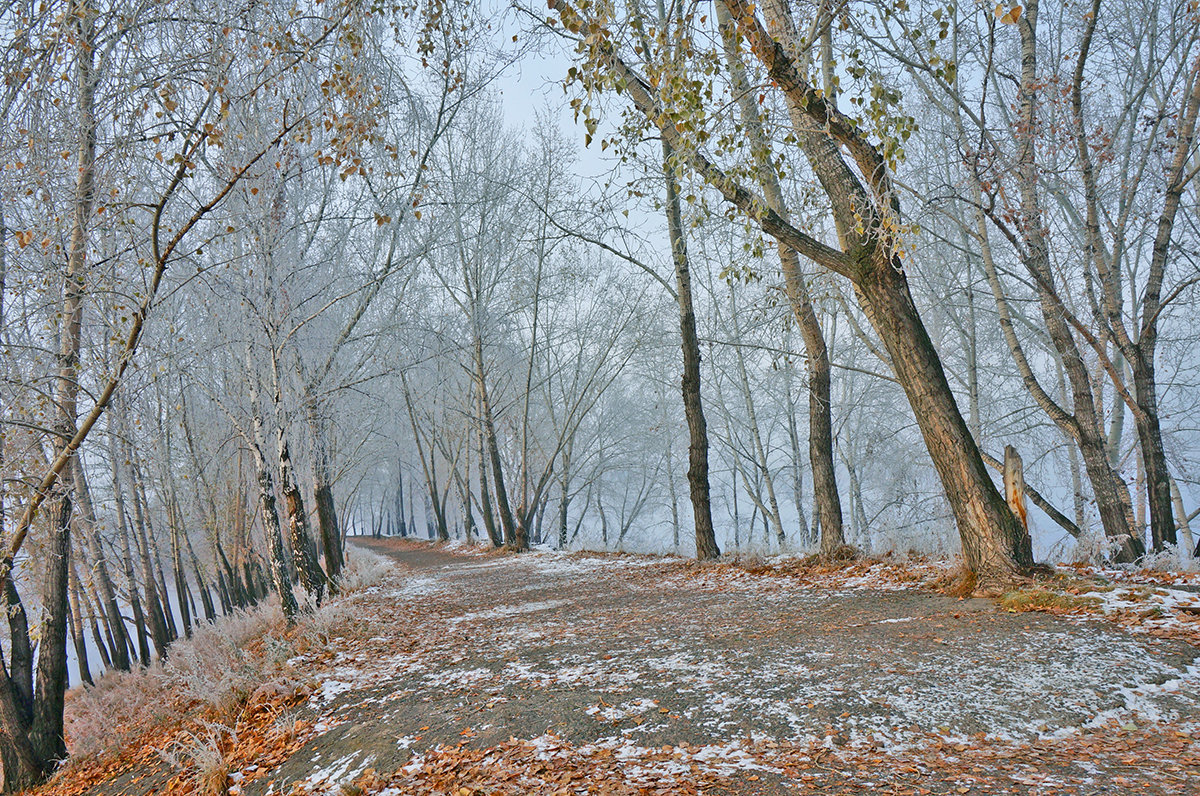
[1043, 600]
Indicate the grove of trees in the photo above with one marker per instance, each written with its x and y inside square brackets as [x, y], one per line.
[788, 277]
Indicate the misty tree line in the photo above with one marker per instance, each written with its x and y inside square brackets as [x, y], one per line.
[276, 273]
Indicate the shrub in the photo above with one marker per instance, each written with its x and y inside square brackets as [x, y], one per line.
[363, 570]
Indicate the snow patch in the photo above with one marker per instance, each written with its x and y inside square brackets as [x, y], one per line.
[504, 611]
[625, 710]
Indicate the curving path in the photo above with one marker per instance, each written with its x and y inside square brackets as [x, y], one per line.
[642, 675]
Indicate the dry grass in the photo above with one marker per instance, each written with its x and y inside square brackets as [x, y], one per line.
[845, 559]
[217, 671]
[1037, 599]
[204, 754]
[217, 668]
[223, 663]
[363, 570]
[141, 699]
[226, 675]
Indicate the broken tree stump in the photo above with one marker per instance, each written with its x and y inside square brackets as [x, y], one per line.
[1014, 485]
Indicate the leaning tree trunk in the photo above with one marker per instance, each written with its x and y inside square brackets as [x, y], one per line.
[177, 573]
[104, 641]
[151, 550]
[272, 529]
[160, 631]
[210, 613]
[995, 545]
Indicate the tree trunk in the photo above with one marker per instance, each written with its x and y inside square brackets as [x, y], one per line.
[151, 551]
[159, 631]
[404, 530]
[1111, 492]
[485, 497]
[674, 511]
[266, 496]
[464, 496]
[706, 538]
[1141, 352]
[412, 510]
[797, 475]
[75, 625]
[489, 429]
[1185, 529]
[210, 613]
[327, 519]
[90, 531]
[1154, 459]
[179, 576]
[485, 500]
[994, 543]
[1014, 485]
[45, 732]
[272, 529]
[104, 641]
[312, 577]
[50, 686]
[820, 428]
[820, 421]
[771, 510]
[563, 502]
[437, 502]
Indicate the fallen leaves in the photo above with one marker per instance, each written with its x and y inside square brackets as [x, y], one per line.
[439, 650]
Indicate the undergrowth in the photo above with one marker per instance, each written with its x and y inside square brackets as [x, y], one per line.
[209, 679]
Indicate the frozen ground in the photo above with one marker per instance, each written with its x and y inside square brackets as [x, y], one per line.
[471, 674]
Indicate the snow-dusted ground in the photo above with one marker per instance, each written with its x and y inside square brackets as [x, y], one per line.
[670, 673]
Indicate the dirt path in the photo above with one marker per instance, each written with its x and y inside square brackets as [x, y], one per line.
[546, 673]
